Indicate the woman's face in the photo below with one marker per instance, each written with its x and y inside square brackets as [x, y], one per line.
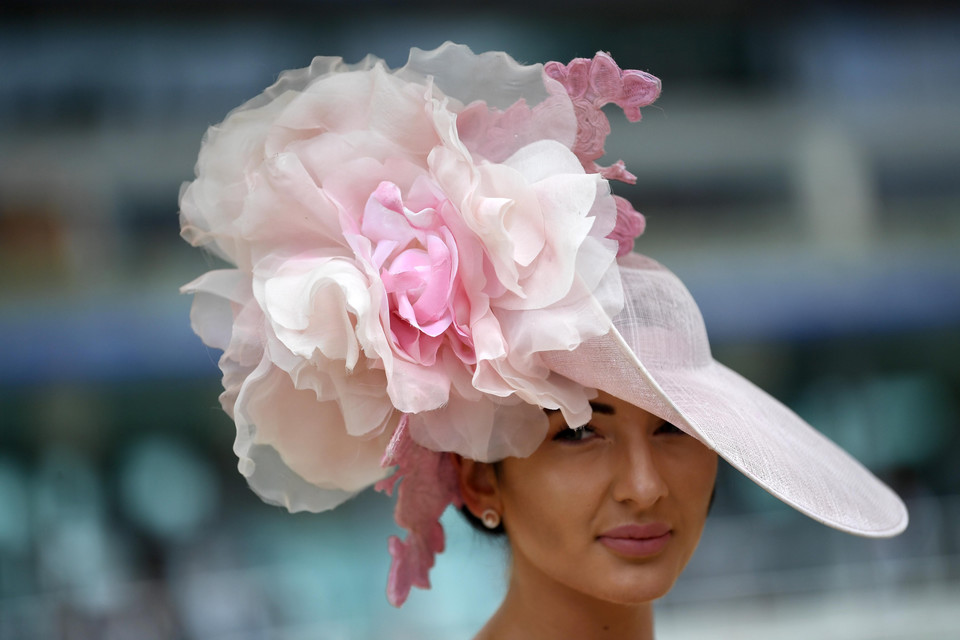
[613, 510]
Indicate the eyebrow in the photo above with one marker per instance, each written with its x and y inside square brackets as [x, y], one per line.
[603, 407]
[598, 407]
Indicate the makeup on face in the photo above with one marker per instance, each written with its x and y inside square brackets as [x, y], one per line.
[612, 509]
[637, 540]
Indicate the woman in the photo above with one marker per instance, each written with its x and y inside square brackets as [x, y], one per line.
[602, 521]
[432, 277]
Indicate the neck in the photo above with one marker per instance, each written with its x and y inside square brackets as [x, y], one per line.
[536, 608]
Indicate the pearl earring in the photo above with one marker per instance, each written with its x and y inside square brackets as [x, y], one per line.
[490, 518]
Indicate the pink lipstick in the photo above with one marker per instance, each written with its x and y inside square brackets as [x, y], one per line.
[635, 540]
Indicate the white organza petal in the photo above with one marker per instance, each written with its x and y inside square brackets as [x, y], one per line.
[313, 304]
[215, 295]
[366, 409]
[545, 159]
[414, 388]
[309, 436]
[270, 477]
[489, 342]
[393, 111]
[296, 80]
[211, 204]
[450, 429]
[225, 315]
[492, 76]
[510, 105]
[286, 212]
[360, 393]
[519, 428]
[486, 430]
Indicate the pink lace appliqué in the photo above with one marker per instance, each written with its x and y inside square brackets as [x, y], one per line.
[429, 485]
[591, 84]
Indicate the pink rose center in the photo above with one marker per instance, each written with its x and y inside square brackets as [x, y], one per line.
[418, 261]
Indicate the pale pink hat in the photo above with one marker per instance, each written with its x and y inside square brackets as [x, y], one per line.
[425, 258]
[657, 357]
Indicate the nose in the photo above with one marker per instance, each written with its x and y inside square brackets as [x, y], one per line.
[636, 476]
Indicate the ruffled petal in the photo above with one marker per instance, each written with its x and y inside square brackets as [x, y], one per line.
[310, 437]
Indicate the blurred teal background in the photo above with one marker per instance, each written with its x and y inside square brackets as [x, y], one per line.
[800, 173]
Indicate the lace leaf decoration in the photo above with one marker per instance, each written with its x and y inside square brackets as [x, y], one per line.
[429, 484]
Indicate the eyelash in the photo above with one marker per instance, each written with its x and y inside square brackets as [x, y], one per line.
[576, 435]
[668, 428]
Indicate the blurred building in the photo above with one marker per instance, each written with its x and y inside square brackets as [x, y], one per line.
[799, 173]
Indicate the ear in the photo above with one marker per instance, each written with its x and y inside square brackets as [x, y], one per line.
[478, 485]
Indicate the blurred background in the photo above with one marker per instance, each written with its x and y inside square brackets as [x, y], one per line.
[800, 174]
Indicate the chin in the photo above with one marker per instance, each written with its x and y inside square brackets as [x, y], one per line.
[635, 585]
[639, 594]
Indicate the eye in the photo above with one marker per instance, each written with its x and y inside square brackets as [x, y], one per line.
[668, 428]
[586, 432]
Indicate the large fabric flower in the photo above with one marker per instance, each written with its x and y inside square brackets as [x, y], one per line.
[406, 243]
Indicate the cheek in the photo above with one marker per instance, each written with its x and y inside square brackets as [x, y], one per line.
[707, 478]
[546, 501]
[693, 485]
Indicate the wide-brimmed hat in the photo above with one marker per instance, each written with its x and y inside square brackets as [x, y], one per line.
[657, 357]
[423, 259]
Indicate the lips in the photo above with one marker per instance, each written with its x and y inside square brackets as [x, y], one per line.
[636, 540]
